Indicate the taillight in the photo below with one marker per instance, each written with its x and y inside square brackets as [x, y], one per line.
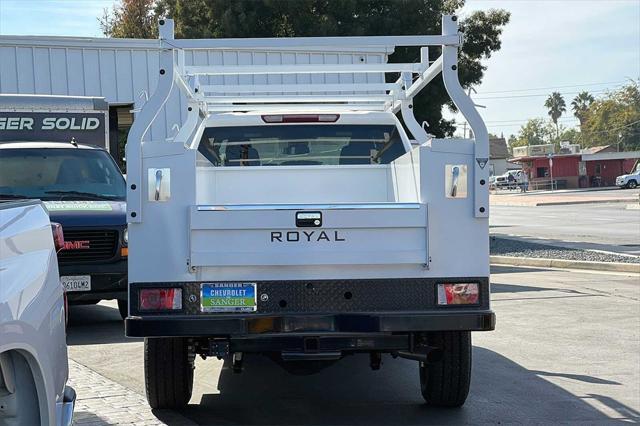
[300, 118]
[160, 299]
[458, 294]
[58, 236]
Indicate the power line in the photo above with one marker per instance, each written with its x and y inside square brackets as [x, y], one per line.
[532, 95]
[566, 118]
[614, 129]
[552, 87]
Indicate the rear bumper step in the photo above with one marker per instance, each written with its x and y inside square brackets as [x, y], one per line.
[255, 325]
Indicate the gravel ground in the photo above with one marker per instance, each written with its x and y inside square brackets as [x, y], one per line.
[509, 247]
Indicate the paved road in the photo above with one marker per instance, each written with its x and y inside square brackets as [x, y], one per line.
[566, 348]
[608, 227]
[565, 196]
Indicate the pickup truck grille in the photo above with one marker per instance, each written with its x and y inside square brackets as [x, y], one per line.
[102, 245]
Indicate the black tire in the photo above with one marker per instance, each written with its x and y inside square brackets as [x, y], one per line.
[123, 307]
[446, 383]
[632, 184]
[168, 373]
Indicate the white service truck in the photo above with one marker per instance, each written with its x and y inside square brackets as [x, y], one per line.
[301, 221]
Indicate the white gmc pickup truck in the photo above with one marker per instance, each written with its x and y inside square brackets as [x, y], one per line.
[303, 222]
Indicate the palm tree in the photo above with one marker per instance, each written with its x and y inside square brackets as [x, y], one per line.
[580, 105]
[556, 105]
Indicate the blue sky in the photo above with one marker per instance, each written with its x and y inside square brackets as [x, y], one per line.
[569, 45]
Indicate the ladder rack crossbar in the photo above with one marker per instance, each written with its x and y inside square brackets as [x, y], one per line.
[298, 88]
[298, 98]
[298, 107]
[302, 43]
[364, 68]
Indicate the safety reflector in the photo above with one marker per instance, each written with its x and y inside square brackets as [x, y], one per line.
[458, 294]
[160, 299]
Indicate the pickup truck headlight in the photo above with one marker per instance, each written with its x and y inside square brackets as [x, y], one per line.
[124, 250]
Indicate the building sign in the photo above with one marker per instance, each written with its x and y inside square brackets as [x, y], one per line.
[87, 128]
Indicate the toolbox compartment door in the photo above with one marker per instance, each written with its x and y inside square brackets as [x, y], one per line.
[354, 234]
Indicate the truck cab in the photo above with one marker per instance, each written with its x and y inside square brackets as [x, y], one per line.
[304, 221]
[83, 190]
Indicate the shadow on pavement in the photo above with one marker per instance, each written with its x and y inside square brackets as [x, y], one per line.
[81, 418]
[350, 393]
[579, 377]
[510, 288]
[495, 269]
[95, 324]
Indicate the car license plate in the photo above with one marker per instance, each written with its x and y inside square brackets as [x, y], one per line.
[228, 297]
[76, 282]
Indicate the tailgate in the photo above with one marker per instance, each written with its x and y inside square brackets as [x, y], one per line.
[365, 234]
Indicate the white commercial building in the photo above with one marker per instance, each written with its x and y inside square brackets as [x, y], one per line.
[125, 72]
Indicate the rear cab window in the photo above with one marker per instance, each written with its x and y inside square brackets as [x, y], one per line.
[301, 145]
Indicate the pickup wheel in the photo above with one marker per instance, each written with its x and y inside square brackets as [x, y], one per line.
[632, 184]
[168, 373]
[446, 383]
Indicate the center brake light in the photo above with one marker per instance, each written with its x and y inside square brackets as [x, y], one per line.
[160, 299]
[300, 118]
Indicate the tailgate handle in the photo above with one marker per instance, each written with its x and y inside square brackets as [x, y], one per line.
[158, 183]
[455, 172]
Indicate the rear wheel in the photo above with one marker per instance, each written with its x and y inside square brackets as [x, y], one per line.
[446, 383]
[168, 372]
[123, 307]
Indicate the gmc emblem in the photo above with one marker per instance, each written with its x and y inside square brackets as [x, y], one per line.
[76, 245]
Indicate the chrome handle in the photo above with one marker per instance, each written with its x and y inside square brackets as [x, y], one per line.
[455, 172]
[158, 183]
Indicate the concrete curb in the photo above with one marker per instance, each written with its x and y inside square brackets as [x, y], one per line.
[566, 264]
[556, 203]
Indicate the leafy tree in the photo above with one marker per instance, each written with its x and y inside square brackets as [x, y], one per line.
[130, 18]
[581, 104]
[556, 105]
[569, 135]
[533, 132]
[283, 18]
[614, 119]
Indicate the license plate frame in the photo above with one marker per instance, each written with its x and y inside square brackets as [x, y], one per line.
[228, 297]
[76, 283]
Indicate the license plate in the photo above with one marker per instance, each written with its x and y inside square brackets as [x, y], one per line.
[228, 297]
[76, 282]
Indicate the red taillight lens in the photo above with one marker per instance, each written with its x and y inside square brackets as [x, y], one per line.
[160, 299]
[58, 236]
[300, 118]
[458, 294]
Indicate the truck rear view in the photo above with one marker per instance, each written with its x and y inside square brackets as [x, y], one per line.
[303, 222]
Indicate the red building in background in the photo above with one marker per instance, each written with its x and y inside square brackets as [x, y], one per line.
[571, 168]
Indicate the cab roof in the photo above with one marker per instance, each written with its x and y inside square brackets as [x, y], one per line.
[45, 145]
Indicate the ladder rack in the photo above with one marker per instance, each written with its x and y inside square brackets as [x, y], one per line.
[205, 100]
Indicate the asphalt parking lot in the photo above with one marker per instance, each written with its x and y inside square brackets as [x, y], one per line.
[566, 349]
